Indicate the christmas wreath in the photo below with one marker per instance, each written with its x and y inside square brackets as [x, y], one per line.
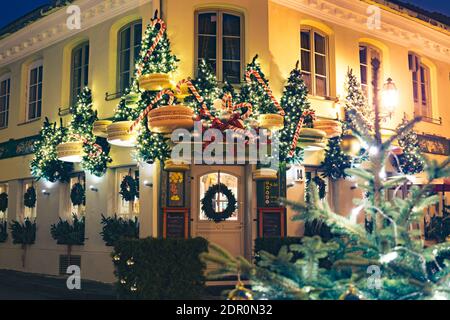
[77, 195]
[207, 203]
[29, 198]
[3, 202]
[128, 189]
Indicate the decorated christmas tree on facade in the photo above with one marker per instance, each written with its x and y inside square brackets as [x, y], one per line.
[254, 93]
[294, 102]
[206, 85]
[336, 161]
[161, 60]
[45, 163]
[411, 160]
[96, 149]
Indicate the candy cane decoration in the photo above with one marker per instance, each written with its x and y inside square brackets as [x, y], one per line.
[95, 145]
[299, 128]
[163, 28]
[144, 113]
[258, 77]
[227, 102]
[196, 94]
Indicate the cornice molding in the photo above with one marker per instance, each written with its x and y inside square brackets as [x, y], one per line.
[53, 29]
[394, 28]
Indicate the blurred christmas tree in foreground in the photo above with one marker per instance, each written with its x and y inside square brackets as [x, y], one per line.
[387, 262]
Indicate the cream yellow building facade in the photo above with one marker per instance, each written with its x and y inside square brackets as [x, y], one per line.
[270, 28]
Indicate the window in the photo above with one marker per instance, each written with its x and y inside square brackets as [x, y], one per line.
[219, 40]
[4, 189]
[314, 61]
[5, 89]
[127, 209]
[421, 86]
[80, 70]
[220, 202]
[35, 77]
[78, 210]
[28, 212]
[366, 54]
[130, 38]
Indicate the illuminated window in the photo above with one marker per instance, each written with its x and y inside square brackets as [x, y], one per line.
[80, 70]
[34, 103]
[127, 209]
[4, 189]
[314, 61]
[220, 202]
[219, 40]
[421, 86]
[78, 210]
[366, 54]
[130, 38]
[29, 213]
[5, 89]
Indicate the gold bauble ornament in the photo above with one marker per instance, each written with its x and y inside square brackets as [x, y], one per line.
[351, 294]
[240, 293]
[351, 145]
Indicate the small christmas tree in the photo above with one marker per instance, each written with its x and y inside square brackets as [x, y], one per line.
[45, 163]
[96, 149]
[356, 106]
[411, 160]
[161, 60]
[294, 102]
[206, 85]
[336, 161]
[254, 93]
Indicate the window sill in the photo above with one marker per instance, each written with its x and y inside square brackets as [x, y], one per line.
[28, 122]
[3, 128]
[326, 98]
[436, 121]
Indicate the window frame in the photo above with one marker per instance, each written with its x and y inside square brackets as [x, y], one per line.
[131, 25]
[79, 211]
[424, 110]
[133, 206]
[312, 56]
[7, 96]
[219, 42]
[368, 93]
[33, 66]
[82, 46]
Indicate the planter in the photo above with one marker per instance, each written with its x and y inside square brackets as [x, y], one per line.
[271, 121]
[169, 118]
[100, 128]
[70, 151]
[265, 174]
[155, 81]
[178, 166]
[332, 128]
[312, 139]
[119, 135]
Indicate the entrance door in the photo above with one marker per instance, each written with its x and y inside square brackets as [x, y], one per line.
[228, 234]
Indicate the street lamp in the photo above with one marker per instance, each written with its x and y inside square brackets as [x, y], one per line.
[389, 96]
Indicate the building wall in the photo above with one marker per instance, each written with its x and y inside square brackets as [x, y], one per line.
[271, 30]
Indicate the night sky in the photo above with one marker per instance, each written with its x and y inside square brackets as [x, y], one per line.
[12, 10]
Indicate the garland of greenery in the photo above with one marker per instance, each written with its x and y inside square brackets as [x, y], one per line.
[67, 233]
[78, 195]
[128, 189]
[3, 231]
[207, 203]
[3, 202]
[23, 233]
[115, 229]
[29, 198]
